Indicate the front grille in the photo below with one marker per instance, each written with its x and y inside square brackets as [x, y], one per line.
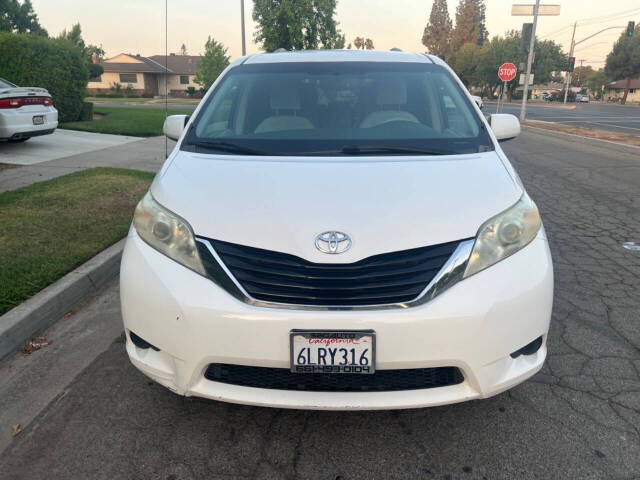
[380, 381]
[388, 278]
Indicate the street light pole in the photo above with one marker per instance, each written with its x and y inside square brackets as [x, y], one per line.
[525, 90]
[244, 46]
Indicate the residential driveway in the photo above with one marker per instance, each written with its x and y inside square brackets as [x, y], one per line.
[579, 418]
[100, 151]
[60, 144]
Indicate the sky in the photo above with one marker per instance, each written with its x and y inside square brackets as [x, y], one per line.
[138, 26]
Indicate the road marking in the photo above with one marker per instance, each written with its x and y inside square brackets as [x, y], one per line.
[616, 126]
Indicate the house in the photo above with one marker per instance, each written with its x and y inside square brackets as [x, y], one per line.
[146, 75]
[615, 90]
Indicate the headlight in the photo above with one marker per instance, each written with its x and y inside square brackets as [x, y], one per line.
[166, 232]
[504, 234]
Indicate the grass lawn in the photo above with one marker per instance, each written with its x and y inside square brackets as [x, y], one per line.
[135, 122]
[51, 227]
[150, 101]
[116, 100]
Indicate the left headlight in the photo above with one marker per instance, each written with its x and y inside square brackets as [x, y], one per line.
[167, 232]
[504, 234]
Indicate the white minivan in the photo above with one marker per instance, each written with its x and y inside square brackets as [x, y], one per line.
[337, 230]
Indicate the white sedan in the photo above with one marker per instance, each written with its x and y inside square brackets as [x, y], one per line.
[25, 112]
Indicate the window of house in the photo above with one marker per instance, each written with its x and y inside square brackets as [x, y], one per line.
[128, 78]
[97, 79]
[184, 79]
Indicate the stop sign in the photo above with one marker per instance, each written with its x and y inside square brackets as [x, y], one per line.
[507, 72]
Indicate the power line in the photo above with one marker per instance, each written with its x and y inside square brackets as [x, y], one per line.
[606, 18]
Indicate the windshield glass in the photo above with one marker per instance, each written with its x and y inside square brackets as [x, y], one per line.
[338, 108]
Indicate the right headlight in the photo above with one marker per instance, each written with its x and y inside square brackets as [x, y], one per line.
[168, 233]
[504, 234]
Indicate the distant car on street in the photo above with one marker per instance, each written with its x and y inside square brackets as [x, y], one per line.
[582, 97]
[25, 112]
[478, 101]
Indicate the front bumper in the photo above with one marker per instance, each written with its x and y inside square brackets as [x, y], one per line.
[18, 122]
[474, 326]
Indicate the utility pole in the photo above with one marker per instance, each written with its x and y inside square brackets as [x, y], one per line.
[566, 87]
[525, 90]
[244, 46]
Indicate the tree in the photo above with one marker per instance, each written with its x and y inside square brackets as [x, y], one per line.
[478, 65]
[594, 81]
[212, 63]
[467, 63]
[363, 43]
[296, 24]
[19, 18]
[624, 60]
[74, 36]
[437, 33]
[470, 24]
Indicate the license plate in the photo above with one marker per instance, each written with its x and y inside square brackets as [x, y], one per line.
[38, 119]
[333, 351]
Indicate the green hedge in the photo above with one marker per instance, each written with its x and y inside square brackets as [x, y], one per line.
[57, 65]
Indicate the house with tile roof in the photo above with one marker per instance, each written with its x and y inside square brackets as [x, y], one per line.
[147, 75]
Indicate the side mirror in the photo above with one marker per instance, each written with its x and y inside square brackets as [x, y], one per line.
[174, 125]
[504, 126]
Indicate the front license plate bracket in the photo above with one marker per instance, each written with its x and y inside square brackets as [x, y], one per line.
[333, 351]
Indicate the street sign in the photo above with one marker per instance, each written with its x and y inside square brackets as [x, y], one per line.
[522, 75]
[527, 10]
[507, 72]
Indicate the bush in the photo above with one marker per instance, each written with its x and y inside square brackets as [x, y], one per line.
[86, 113]
[57, 65]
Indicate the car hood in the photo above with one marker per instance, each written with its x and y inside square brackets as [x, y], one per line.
[384, 204]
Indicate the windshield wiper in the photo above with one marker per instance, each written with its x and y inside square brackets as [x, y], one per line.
[364, 149]
[227, 147]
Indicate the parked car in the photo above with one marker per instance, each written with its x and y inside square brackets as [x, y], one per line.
[25, 112]
[337, 230]
[478, 101]
[582, 97]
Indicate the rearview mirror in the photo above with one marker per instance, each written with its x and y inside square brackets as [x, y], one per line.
[504, 126]
[174, 125]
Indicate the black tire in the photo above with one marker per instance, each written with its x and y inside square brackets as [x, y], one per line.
[19, 140]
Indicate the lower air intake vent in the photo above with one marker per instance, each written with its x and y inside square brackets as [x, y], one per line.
[380, 381]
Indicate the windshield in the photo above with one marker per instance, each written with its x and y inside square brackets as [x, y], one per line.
[338, 108]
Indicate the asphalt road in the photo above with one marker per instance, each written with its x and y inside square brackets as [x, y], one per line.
[578, 418]
[611, 117]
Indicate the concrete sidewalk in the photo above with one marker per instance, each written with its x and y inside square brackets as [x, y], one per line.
[141, 154]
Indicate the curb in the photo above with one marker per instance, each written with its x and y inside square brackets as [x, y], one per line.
[621, 147]
[44, 308]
